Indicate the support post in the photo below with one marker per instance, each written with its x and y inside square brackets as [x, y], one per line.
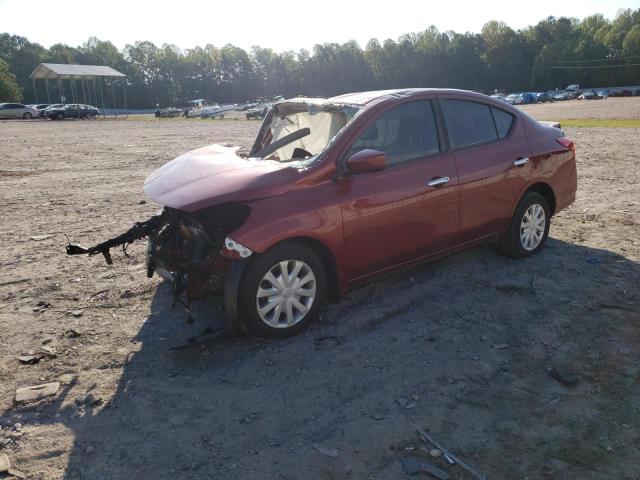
[102, 97]
[46, 86]
[126, 110]
[35, 90]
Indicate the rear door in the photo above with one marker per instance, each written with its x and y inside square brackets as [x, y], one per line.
[492, 155]
[408, 210]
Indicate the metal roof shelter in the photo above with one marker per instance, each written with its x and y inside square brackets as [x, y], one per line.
[85, 74]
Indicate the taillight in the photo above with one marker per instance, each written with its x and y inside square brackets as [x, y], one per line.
[566, 143]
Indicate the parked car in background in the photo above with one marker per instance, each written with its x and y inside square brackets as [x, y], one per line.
[560, 97]
[500, 97]
[18, 110]
[45, 113]
[41, 107]
[337, 191]
[515, 99]
[72, 110]
[591, 95]
[604, 93]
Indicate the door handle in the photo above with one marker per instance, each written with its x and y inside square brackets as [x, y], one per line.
[438, 181]
[521, 161]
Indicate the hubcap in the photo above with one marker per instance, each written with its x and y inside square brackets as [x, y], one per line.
[532, 227]
[286, 293]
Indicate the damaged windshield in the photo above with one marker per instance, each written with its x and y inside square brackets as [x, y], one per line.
[300, 130]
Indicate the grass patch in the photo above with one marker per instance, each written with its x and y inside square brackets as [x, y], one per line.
[601, 122]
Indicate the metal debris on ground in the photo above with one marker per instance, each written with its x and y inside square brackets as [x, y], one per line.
[36, 392]
[447, 454]
[39, 238]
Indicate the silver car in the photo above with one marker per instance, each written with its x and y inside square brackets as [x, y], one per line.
[17, 110]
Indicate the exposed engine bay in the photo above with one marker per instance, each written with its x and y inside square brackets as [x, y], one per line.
[190, 250]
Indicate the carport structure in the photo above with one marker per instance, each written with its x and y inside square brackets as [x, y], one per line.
[90, 78]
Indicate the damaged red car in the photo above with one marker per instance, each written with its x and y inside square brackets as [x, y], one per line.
[337, 191]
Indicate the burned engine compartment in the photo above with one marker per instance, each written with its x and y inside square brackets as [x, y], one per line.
[186, 249]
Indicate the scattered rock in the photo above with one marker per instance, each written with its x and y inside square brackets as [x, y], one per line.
[378, 416]
[562, 376]
[435, 471]
[67, 378]
[76, 313]
[5, 464]
[36, 392]
[39, 238]
[500, 346]
[17, 474]
[142, 202]
[435, 453]
[178, 419]
[89, 450]
[411, 466]
[72, 333]
[49, 351]
[326, 451]
[348, 469]
[29, 359]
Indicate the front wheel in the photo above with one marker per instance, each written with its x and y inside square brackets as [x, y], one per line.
[282, 291]
[529, 227]
[60, 116]
[27, 116]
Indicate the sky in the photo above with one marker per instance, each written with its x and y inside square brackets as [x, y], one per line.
[281, 25]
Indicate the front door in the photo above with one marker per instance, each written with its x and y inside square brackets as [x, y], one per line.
[408, 210]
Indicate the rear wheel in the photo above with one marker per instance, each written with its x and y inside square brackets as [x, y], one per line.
[282, 291]
[529, 227]
[60, 116]
[27, 116]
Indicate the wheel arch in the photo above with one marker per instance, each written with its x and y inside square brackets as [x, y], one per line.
[546, 191]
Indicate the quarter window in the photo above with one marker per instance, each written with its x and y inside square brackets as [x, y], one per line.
[469, 123]
[504, 121]
[403, 133]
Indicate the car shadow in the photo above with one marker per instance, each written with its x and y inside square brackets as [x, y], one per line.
[463, 346]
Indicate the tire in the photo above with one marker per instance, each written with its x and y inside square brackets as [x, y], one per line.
[310, 266]
[27, 116]
[60, 116]
[518, 243]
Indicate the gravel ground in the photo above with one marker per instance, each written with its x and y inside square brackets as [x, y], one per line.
[525, 369]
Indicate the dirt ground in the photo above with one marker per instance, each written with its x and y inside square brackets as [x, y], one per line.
[610, 108]
[525, 369]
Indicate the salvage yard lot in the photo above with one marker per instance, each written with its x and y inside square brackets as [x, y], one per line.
[523, 368]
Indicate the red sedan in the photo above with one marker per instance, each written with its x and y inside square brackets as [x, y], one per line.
[336, 191]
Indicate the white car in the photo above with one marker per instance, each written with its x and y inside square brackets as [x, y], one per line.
[18, 110]
[515, 99]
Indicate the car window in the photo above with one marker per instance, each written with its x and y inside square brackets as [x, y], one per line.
[503, 120]
[469, 123]
[403, 133]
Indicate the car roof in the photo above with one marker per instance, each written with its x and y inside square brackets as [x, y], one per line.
[362, 98]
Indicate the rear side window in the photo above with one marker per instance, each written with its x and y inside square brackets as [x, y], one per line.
[504, 121]
[469, 123]
[403, 133]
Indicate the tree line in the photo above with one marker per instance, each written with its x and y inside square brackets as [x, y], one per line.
[553, 53]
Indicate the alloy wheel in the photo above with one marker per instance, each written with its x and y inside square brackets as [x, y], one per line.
[532, 227]
[286, 293]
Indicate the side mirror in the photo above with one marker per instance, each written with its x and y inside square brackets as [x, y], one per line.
[366, 161]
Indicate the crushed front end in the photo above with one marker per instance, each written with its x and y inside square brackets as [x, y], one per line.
[192, 251]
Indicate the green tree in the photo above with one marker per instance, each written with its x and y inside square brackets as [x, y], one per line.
[10, 91]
